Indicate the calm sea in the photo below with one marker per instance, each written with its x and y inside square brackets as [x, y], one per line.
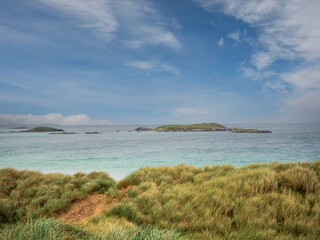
[119, 150]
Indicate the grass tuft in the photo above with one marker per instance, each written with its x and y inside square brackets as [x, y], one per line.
[28, 194]
[259, 201]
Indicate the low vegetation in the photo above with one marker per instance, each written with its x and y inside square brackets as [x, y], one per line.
[201, 126]
[258, 201]
[44, 229]
[29, 194]
[44, 129]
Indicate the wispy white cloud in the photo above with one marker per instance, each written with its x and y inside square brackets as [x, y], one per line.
[96, 15]
[275, 85]
[221, 42]
[168, 68]
[288, 30]
[145, 24]
[140, 64]
[153, 35]
[139, 19]
[301, 107]
[235, 35]
[153, 65]
[255, 75]
[262, 59]
[242, 37]
[51, 119]
[305, 78]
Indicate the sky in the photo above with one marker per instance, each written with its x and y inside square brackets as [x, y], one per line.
[97, 62]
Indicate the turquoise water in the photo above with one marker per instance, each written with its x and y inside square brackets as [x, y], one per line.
[120, 153]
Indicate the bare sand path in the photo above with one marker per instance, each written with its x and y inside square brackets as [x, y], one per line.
[84, 209]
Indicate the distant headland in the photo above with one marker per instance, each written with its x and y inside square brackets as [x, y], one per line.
[202, 127]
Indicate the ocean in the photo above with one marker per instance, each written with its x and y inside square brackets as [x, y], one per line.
[119, 151]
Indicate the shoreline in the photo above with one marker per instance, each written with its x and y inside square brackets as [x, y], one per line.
[44, 172]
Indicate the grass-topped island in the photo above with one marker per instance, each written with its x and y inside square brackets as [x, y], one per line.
[192, 127]
[44, 129]
[259, 201]
[201, 127]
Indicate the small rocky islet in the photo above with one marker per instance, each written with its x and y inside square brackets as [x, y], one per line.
[52, 130]
[95, 132]
[202, 127]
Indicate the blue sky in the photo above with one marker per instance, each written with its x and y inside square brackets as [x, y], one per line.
[80, 62]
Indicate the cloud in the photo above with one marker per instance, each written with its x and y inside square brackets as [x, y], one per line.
[255, 75]
[145, 24]
[153, 65]
[140, 64]
[275, 85]
[96, 15]
[138, 19]
[235, 35]
[189, 111]
[304, 78]
[153, 35]
[242, 37]
[168, 68]
[51, 119]
[220, 42]
[262, 59]
[302, 107]
[287, 30]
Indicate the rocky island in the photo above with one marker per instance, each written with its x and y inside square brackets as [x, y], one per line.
[143, 129]
[202, 127]
[44, 129]
[241, 130]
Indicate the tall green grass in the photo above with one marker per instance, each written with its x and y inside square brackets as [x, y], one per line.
[29, 194]
[44, 229]
[259, 201]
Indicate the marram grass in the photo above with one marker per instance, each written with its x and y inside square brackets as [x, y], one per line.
[44, 229]
[258, 201]
[29, 194]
